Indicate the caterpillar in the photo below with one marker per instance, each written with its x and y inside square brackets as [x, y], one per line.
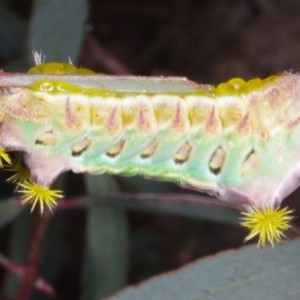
[238, 141]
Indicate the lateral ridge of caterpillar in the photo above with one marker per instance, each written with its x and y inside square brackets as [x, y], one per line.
[238, 141]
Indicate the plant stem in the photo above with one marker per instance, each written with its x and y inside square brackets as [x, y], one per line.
[144, 201]
[32, 257]
[18, 270]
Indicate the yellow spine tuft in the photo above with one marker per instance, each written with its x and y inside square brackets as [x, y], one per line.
[4, 157]
[34, 193]
[268, 223]
[22, 174]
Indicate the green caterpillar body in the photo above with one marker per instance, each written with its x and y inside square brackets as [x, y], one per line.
[239, 141]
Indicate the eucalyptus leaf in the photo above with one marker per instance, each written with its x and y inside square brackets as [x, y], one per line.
[9, 210]
[106, 255]
[12, 31]
[17, 245]
[247, 273]
[57, 28]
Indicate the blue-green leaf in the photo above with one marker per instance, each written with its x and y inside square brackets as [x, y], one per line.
[57, 28]
[106, 254]
[12, 31]
[9, 210]
[248, 273]
[17, 246]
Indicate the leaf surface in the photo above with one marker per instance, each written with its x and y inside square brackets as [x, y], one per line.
[248, 273]
[9, 210]
[106, 253]
[57, 28]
